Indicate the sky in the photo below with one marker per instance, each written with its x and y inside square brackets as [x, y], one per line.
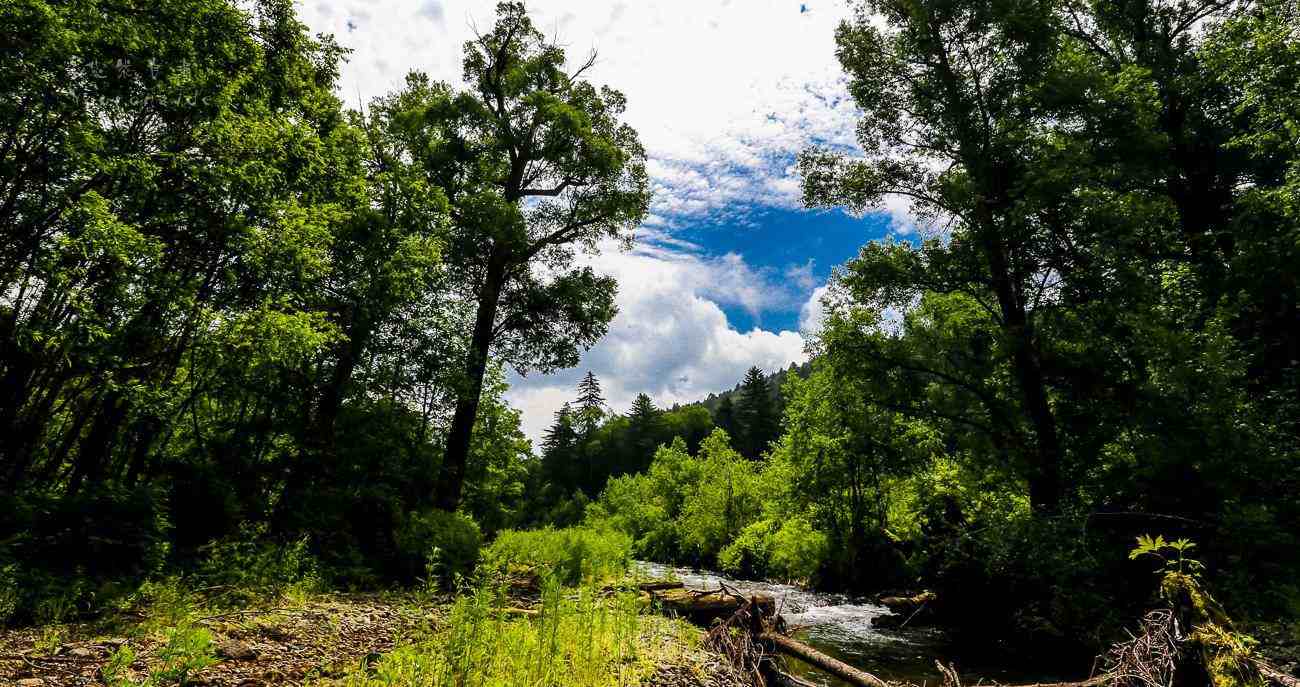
[728, 267]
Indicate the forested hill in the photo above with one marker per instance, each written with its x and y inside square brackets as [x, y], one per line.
[775, 382]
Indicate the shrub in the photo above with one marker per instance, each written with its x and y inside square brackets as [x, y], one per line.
[254, 566]
[439, 544]
[571, 555]
[749, 555]
[797, 550]
[63, 556]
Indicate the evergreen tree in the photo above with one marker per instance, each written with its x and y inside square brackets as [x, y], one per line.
[725, 418]
[756, 414]
[645, 430]
[591, 405]
[559, 447]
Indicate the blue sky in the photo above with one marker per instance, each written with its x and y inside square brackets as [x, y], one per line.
[729, 267]
[797, 246]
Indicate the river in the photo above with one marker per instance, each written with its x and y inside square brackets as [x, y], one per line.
[840, 625]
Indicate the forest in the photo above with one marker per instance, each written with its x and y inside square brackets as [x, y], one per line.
[256, 342]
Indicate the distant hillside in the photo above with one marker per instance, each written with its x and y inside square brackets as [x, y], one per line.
[775, 382]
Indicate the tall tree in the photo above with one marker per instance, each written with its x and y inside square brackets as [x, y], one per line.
[756, 415]
[725, 418]
[536, 165]
[644, 433]
[945, 90]
[591, 405]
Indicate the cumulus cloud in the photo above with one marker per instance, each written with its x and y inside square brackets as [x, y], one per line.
[670, 340]
[813, 312]
[723, 93]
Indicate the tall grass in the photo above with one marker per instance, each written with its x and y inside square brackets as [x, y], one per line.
[572, 555]
[579, 638]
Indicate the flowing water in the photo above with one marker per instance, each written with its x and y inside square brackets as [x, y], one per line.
[840, 625]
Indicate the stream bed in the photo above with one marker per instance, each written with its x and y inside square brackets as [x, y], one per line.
[840, 625]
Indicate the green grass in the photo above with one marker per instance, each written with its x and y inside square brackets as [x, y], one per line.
[572, 555]
[581, 637]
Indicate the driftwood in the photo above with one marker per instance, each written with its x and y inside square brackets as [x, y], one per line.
[705, 608]
[830, 664]
[659, 585]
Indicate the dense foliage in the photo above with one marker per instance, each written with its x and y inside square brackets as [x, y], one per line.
[228, 305]
[255, 339]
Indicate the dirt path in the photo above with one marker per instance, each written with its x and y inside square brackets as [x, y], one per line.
[254, 647]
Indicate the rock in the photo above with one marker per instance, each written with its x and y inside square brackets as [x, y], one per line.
[887, 622]
[80, 652]
[235, 650]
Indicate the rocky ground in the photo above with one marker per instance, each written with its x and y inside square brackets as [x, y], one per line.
[254, 648]
[308, 643]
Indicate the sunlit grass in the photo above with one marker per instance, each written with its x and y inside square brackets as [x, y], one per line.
[579, 637]
[573, 555]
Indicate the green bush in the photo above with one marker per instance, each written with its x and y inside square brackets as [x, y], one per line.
[750, 554]
[252, 565]
[439, 544]
[572, 555]
[67, 556]
[797, 550]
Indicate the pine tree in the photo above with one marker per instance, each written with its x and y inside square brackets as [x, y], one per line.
[559, 447]
[644, 429]
[756, 414]
[725, 419]
[591, 405]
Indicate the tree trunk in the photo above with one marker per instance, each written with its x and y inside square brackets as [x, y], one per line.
[1045, 475]
[451, 476]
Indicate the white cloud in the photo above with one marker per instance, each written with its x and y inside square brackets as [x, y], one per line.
[813, 312]
[723, 92]
[670, 339]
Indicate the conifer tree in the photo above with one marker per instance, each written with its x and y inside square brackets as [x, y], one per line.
[725, 418]
[591, 405]
[559, 448]
[644, 429]
[756, 414]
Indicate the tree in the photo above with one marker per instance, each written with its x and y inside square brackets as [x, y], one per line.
[591, 405]
[725, 418]
[950, 132]
[560, 448]
[644, 433]
[536, 165]
[755, 414]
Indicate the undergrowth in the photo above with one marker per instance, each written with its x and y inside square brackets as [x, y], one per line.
[577, 637]
[572, 555]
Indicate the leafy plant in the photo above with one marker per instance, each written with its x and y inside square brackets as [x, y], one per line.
[1171, 554]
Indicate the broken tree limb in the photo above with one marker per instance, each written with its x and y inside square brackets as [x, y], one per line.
[704, 608]
[1276, 676]
[659, 585]
[815, 658]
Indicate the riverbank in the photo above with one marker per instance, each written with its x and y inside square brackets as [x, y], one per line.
[577, 636]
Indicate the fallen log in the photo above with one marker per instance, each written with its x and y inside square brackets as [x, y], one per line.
[703, 608]
[1276, 676]
[659, 585]
[815, 658]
